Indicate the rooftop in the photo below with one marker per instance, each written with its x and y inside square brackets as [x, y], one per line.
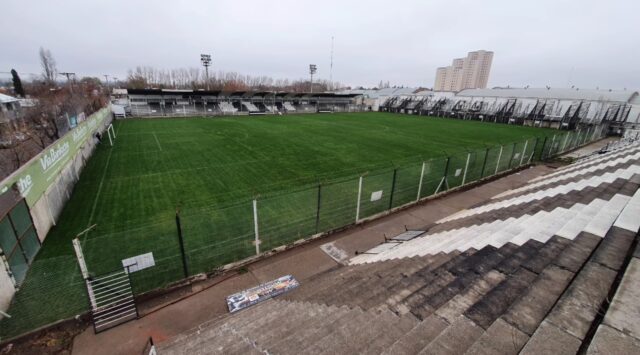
[7, 99]
[624, 96]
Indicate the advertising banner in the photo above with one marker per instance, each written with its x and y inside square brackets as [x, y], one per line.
[260, 293]
[39, 173]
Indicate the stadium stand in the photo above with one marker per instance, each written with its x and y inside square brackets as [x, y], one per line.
[305, 108]
[546, 107]
[529, 271]
[227, 108]
[250, 107]
[167, 103]
[288, 106]
[271, 108]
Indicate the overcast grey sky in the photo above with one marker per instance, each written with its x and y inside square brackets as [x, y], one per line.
[586, 43]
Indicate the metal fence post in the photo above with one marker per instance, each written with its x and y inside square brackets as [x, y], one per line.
[181, 242]
[421, 178]
[553, 140]
[533, 152]
[359, 196]
[466, 166]
[565, 142]
[444, 178]
[393, 187]
[513, 152]
[318, 208]
[484, 164]
[255, 226]
[544, 144]
[499, 157]
[524, 150]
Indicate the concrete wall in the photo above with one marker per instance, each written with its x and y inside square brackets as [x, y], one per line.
[7, 290]
[46, 210]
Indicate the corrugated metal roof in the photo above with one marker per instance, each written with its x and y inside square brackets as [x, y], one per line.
[562, 94]
[6, 99]
[376, 93]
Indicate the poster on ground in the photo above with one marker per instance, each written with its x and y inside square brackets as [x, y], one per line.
[249, 297]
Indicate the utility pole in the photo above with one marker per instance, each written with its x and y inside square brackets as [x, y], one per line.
[312, 70]
[205, 59]
[69, 75]
[331, 65]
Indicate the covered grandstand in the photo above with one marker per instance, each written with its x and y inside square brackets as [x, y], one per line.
[163, 102]
[552, 108]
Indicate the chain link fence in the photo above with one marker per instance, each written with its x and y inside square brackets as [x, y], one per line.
[203, 240]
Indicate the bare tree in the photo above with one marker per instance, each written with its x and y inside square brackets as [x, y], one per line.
[48, 63]
[192, 78]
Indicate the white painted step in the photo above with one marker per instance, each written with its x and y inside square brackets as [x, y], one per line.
[579, 222]
[604, 219]
[571, 174]
[629, 218]
[599, 158]
[594, 181]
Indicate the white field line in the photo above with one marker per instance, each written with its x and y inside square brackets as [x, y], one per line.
[157, 141]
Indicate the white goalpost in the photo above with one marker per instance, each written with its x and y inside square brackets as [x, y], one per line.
[111, 133]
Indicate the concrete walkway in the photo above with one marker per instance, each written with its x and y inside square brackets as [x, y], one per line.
[591, 148]
[208, 301]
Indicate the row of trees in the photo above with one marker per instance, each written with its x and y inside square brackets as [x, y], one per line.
[194, 78]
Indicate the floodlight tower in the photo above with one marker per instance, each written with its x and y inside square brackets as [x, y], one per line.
[312, 70]
[205, 59]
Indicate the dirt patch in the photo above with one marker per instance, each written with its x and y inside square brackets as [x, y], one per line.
[57, 339]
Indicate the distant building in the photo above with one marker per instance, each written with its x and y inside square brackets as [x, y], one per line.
[471, 72]
[540, 107]
[9, 107]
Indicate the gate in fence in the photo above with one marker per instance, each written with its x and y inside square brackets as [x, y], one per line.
[112, 301]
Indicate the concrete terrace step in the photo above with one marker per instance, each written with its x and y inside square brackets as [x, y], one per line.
[595, 160]
[566, 200]
[593, 181]
[529, 274]
[540, 226]
[593, 169]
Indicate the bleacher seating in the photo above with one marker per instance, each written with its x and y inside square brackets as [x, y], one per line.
[531, 271]
[271, 108]
[288, 106]
[143, 110]
[227, 108]
[250, 107]
[305, 108]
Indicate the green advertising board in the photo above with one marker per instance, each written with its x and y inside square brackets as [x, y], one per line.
[34, 178]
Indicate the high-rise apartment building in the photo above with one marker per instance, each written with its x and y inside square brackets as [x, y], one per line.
[465, 73]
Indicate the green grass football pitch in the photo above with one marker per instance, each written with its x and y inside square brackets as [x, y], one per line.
[210, 169]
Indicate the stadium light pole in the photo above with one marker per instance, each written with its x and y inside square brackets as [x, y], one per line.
[69, 75]
[312, 70]
[205, 59]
